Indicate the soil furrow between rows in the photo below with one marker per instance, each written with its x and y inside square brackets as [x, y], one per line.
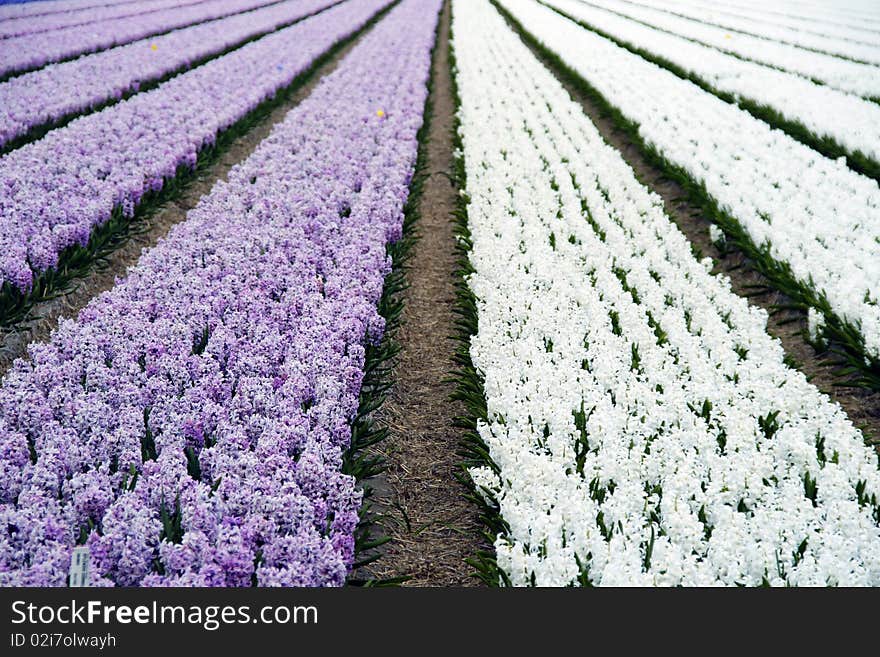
[420, 502]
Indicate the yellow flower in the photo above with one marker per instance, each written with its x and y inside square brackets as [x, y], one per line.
[726, 36]
[380, 113]
[153, 46]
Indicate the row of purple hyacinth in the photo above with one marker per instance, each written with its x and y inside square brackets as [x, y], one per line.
[53, 6]
[36, 24]
[55, 191]
[61, 90]
[189, 427]
[24, 53]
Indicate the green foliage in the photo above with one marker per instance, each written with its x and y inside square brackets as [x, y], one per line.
[172, 521]
[148, 443]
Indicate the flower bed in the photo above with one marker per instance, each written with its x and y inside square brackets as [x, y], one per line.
[57, 190]
[59, 91]
[35, 24]
[838, 42]
[849, 76]
[19, 8]
[191, 426]
[813, 113]
[640, 427]
[811, 222]
[25, 53]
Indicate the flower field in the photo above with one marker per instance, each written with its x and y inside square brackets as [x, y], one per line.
[106, 162]
[32, 50]
[233, 326]
[43, 98]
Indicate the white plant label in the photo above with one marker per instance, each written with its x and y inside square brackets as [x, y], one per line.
[79, 567]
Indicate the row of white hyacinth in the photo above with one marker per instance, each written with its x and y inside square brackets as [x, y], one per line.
[801, 18]
[845, 75]
[834, 12]
[645, 428]
[817, 216]
[864, 15]
[851, 45]
[851, 121]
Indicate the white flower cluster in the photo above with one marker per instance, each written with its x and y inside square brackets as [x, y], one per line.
[843, 45]
[816, 216]
[809, 19]
[645, 427]
[850, 76]
[850, 120]
[835, 13]
[815, 326]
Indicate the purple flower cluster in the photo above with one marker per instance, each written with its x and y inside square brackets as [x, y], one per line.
[35, 24]
[30, 51]
[17, 8]
[53, 192]
[61, 90]
[190, 425]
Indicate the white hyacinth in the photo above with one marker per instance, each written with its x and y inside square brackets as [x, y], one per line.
[862, 78]
[852, 121]
[819, 217]
[645, 427]
[816, 326]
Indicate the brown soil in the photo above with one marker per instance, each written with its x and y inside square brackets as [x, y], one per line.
[149, 229]
[789, 326]
[432, 526]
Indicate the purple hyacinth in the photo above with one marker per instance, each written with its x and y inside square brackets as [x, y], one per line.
[190, 425]
[34, 24]
[46, 7]
[69, 88]
[57, 190]
[29, 51]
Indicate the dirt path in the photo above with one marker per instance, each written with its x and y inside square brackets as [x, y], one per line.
[862, 406]
[432, 527]
[147, 230]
